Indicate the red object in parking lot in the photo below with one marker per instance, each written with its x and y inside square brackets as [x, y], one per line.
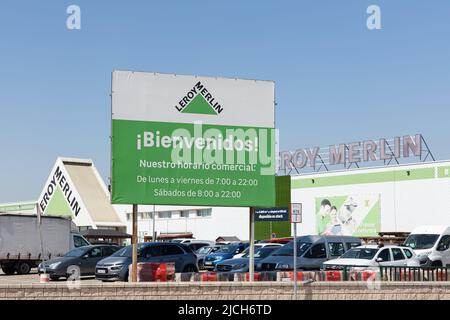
[257, 276]
[151, 271]
[209, 276]
[165, 272]
[366, 275]
[333, 275]
[299, 275]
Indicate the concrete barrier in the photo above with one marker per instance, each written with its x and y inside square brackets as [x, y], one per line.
[230, 291]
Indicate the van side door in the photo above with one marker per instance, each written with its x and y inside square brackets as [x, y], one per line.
[314, 257]
[335, 249]
[443, 249]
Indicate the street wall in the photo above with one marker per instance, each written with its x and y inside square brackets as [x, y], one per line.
[230, 291]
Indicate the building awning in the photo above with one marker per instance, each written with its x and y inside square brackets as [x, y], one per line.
[170, 236]
[104, 234]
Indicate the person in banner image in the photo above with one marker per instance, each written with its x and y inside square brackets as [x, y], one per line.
[325, 207]
[334, 228]
[346, 215]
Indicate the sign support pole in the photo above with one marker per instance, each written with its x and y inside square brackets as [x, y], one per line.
[134, 244]
[296, 217]
[252, 245]
[295, 260]
[154, 221]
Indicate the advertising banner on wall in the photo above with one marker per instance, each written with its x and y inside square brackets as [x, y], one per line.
[188, 140]
[352, 215]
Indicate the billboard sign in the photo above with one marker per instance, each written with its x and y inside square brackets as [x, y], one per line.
[188, 140]
[349, 215]
[272, 214]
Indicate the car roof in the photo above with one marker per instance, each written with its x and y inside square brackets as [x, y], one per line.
[431, 230]
[160, 243]
[91, 246]
[319, 239]
[375, 246]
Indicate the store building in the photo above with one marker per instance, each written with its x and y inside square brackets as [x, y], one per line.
[364, 202]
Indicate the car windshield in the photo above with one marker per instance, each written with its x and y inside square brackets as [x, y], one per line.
[257, 247]
[421, 241]
[360, 253]
[204, 250]
[126, 252]
[261, 252]
[228, 249]
[288, 249]
[75, 253]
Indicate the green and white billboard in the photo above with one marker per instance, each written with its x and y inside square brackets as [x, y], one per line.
[188, 140]
[351, 215]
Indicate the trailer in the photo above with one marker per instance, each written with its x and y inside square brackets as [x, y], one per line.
[26, 240]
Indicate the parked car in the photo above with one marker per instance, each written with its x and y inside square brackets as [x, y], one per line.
[203, 252]
[224, 253]
[85, 258]
[374, 256]
[431, 244]
[242, 264]
[258, 245]
[115, 268]
[197, 244]
[312, 252]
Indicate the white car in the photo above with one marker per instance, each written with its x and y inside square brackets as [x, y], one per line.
[431, 244]
[257, 246]
[374, 256]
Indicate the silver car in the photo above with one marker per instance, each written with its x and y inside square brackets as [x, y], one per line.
[115, 267]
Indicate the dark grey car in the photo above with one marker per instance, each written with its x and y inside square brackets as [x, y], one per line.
[115, 267]
[81, 260]
[242, 264]
[312, 252]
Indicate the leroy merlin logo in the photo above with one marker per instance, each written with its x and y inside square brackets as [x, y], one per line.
[199, 101]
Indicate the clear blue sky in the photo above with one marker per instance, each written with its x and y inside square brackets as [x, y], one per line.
[336, 81]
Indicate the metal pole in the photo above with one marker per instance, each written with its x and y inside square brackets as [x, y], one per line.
[271, 231]
[295, 261]
[252, 245]
[134, 244]
[154, 220]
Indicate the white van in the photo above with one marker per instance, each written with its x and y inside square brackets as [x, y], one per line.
[431, 245]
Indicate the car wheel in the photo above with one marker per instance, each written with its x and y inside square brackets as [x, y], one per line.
[8, 270]
[23, 268]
